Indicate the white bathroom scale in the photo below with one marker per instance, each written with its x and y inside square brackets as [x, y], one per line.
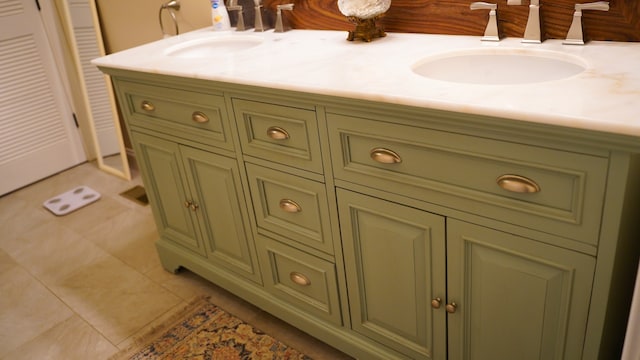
[71, 200]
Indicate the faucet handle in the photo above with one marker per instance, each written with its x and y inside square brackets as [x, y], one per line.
[575, 35]
[598, 5]
[480, 5]
[491, 32]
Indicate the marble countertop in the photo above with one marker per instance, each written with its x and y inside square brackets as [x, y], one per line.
[605, 97]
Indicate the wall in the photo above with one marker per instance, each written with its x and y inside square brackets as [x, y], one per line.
[620, 23]
[127, 23]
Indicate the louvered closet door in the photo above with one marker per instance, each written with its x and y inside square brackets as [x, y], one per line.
[37, 134]
[98, 92]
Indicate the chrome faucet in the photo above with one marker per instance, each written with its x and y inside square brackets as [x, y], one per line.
[233, 6]
[282, 24]
[259, 24]
[491, 32]
[533, 31]
[170, 6]
[575, 36]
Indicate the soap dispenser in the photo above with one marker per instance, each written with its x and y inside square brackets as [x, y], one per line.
[219, 16]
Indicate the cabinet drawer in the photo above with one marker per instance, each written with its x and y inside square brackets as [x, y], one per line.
[187, 114]
[479, 175]
[284, 134]
[290, 206]
[302, 280]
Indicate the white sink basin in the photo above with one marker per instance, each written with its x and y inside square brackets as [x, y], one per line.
[500, 66]
[213, 46]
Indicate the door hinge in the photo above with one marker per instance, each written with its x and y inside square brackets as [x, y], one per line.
[75, 120]
[38, 4]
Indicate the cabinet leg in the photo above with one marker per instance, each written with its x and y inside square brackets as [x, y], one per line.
[169, 262]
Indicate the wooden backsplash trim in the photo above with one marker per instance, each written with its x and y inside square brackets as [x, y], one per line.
[620, 23]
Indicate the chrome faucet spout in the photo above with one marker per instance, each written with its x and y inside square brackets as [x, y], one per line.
[170, 6]
[174, 4]
[533, 30]
[259, 23]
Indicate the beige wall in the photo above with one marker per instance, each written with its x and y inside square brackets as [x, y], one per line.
[127, 23]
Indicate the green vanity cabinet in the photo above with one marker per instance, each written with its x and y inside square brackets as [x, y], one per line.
[183, 145]
[474, 293]
[395, 261]
[291, 206]
[515, 298]
[479, 247]
[196, 200]
[279, 131]
[392, 232]
[160, 163]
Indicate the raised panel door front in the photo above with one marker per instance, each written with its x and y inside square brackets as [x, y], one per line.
[516, 298]
[215, 182]
[159, 162]
[395, 265]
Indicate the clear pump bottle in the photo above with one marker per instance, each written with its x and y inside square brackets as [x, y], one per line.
[219, 16]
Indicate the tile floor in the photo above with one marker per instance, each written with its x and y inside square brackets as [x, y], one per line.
[82, 286]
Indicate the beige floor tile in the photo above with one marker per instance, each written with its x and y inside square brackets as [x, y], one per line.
[6, 262]
[185, 284]
[188, 285]
[27, 309]
[18, 215]
[72, 339]
[89, 217]
[129, 236]
[51, 251]
[114, 298]
[159, 322]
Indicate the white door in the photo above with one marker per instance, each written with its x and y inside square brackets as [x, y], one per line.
[99, 93]
[38, 135]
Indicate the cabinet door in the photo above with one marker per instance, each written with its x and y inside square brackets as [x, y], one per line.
[395, 264]
[214, 181]
[516, 298]
[159, 161]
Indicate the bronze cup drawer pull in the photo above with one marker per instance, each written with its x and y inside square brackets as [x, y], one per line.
[385, 156]
[436, 303]
[451, 307]
[189, 204]
[199, 117]
[299, 279]
[290, 206]
[277, 133]
[147, 105]
[517, 184]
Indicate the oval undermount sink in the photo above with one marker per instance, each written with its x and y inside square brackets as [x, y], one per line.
[500, 66]
[213, 46]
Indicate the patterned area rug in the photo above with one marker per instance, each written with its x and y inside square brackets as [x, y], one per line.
[204, 331]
